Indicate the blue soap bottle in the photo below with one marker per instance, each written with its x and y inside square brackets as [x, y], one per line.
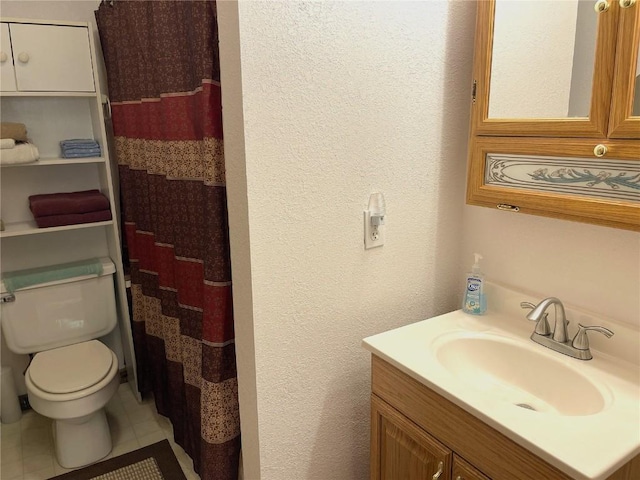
[474, 300]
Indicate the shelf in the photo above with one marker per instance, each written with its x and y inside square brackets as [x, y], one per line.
[48, 94]
[19, 229]
[57, 161]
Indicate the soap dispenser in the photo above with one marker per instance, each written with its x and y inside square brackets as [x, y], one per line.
[474, 300]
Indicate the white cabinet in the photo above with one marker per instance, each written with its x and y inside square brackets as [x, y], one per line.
[61, 56]
[7, 73]
[47, 58]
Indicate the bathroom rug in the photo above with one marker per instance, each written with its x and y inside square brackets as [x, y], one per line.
[155, 462]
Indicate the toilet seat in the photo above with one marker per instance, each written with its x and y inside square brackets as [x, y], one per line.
[72, 368]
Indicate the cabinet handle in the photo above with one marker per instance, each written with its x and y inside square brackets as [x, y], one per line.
[601, 6]
[627, 3]
[3, 57]
[507, 207]
[600, 150]
[23, 57]
[436, 475]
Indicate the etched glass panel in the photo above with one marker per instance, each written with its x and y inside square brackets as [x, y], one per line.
[615, 179]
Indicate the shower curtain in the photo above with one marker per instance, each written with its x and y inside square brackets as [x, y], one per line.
[163, 73]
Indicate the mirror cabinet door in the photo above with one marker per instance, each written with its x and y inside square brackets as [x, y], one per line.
[544, 67]
[625, 108]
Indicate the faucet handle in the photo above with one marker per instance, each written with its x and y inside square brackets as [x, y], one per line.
[542, 325]
[581, 340]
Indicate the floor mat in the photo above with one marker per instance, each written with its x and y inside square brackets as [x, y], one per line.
[155, 462]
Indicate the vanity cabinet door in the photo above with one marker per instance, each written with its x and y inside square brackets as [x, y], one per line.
[402, 450]
[625, 103]
[463, 470]
[543, 68]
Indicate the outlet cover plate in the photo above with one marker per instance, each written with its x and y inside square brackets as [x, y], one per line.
[369, 242]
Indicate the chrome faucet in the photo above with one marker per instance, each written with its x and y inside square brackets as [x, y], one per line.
[560, 333]
[559, 339]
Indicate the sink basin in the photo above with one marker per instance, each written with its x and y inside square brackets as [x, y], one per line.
[512, 372]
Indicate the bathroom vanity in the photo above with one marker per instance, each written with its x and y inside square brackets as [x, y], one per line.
[415, 433]
[473, 398]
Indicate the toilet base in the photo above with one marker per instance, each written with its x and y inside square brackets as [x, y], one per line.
[82, 441]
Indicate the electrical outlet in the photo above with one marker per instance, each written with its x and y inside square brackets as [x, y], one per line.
[373, 237]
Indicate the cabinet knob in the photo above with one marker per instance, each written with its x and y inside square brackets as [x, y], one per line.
[3, 57]
[600, 150]
[459, 478]
[627, 3]
[23, 57]
[601, 6]
[436, 475]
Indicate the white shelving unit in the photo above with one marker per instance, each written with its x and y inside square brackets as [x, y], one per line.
[49, 82]
[43, 162]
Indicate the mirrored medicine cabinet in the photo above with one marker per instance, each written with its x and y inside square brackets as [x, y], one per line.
[555, 118]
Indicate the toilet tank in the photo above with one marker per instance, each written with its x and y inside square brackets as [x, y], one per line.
[60, 313]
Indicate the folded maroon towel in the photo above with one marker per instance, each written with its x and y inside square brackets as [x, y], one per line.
[68, 203]
[72, 219]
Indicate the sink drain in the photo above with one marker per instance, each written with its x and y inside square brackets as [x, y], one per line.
[525, 405]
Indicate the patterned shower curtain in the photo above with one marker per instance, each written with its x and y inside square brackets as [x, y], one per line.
[163, 72]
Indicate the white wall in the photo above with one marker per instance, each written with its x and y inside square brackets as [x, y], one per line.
[596, 268]
[327, 103]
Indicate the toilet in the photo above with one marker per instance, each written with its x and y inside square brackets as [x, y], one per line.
[72, 375]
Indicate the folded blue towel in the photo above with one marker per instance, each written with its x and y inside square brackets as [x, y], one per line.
[82, 150]
[78, 141]
[83, 147]
[34, 276]
[80, 155]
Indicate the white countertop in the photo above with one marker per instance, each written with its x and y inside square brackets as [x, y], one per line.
[583, 446]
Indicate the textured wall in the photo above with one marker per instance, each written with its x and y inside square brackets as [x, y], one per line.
[339, 99]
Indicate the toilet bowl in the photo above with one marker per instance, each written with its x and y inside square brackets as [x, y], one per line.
[72, 375]
[71, 385]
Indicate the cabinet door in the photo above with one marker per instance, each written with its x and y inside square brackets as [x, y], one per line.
[52, 58]
[463, 470]
[625, 104]
[543, 68]
[402, 450]
[7, 78]
[561, 178]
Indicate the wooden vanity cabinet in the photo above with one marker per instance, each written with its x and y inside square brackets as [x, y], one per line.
[463, 470]
[404, 450]
[413, 429]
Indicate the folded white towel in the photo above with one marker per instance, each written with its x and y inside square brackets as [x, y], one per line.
[7, 143]
[21, 153]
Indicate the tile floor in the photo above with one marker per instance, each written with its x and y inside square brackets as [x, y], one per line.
[26, 448]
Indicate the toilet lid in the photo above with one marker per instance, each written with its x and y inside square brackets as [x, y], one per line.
[71, 368]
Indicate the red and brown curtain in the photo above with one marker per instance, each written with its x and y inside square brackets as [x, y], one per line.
[163, 73]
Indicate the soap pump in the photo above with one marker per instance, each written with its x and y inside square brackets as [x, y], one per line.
[474, 301]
